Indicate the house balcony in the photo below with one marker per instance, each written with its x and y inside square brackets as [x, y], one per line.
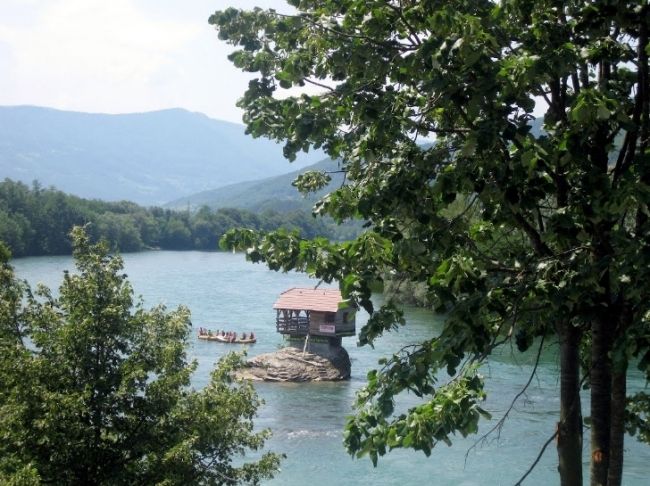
[295, 326]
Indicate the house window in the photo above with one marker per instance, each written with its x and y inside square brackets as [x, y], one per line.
[329, 317]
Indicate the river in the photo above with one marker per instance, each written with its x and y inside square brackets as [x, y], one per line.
[222, 290]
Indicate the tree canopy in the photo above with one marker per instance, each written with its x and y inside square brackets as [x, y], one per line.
[520, 233]
[37, 221]
[95, 390]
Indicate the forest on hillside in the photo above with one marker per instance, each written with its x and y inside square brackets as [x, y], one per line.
[37, 221]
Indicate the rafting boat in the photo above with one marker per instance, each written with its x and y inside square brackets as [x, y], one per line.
[225, 339]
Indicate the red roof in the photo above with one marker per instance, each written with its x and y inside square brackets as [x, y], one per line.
[322, 300]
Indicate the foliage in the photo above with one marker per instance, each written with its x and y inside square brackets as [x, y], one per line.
[96, 391]
[638, 416]
[553, 235]
[37, 221]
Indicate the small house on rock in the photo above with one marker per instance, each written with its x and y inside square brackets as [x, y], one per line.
[314, 319]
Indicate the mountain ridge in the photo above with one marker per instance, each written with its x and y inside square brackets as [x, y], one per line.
[273, 193]
[148, 157]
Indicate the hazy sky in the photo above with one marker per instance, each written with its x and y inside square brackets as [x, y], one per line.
[119, 56]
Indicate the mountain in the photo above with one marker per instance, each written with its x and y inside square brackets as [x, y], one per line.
[149, 158]
[275, 193]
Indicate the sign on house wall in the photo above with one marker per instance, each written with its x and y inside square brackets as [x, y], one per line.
[327, 328]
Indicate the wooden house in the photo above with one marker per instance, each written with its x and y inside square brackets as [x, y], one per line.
[318, 315]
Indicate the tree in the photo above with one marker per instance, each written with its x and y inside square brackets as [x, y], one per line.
[92, 392]
[12, 231]
[552, 241]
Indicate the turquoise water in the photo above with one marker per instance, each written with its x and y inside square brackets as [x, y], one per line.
[223, 291]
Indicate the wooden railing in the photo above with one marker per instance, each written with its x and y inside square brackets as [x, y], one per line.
[299, 326]
[293, 325]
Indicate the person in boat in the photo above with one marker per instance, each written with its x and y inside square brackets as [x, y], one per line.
[252, 336]
[243, 336]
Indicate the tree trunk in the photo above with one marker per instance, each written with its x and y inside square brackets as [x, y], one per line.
[569, 433]
[619, 391]
[601, 381]
[617, 438]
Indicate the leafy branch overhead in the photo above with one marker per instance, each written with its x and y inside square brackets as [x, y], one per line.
[517, 227]
[312, 181]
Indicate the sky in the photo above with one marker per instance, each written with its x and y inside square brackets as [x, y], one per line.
[119, 56]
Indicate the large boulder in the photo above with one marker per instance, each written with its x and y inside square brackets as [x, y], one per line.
[292, 364]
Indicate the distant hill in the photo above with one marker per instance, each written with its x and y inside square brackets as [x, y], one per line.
[275, 193]
[149, 158]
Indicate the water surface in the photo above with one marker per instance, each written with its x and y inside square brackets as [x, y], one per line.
[223, 291]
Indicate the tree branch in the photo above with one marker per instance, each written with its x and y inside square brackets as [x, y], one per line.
[316, 83]
[537, 459]
[540, 247]
[499, 425]
[626, 155]
[413, 33]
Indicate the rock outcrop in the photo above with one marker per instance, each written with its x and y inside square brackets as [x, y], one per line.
[291, 364]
